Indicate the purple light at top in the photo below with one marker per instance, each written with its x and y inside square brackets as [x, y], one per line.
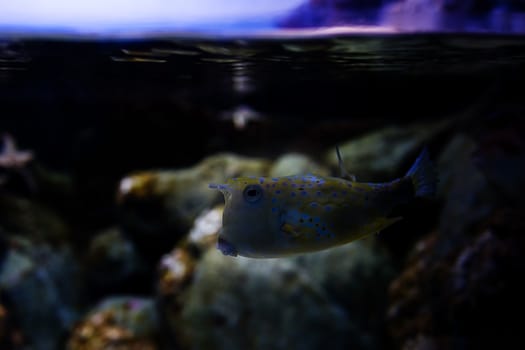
[132, 16]
[486, 16]
[292, 18]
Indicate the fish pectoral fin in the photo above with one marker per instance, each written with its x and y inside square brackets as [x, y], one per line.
[376, 227]
[290, 230]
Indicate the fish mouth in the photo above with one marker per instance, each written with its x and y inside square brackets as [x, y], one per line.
[226, 247]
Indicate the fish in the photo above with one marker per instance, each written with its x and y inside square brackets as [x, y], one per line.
[273, 217]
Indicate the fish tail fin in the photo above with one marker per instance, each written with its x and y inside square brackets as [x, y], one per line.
[423, 175]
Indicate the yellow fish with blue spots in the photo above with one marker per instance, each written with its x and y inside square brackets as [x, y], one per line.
[275, 217]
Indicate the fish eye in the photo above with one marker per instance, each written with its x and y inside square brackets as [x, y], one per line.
[252, 193]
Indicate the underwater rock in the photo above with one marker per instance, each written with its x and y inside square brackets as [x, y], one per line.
[356, 277]
[33, 276]
[111, 260]
[463, 292]
[296, 163]
[500, 155]
[407, 311]
[425, 342]
[167, 202]
[32, 219]
[54, 188]
[234, 304]
[238, 303]
[120, 323]
[467, 194]
[459, 284]
[11, 337]
[380, 155]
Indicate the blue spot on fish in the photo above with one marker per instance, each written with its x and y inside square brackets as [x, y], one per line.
[322, 232]
[328, 208]
[292, 194]
[261, 180]
[304, 193]
[278, 192]
[275, 179]
[313, 205]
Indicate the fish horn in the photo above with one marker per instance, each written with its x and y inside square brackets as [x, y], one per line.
[218, 186]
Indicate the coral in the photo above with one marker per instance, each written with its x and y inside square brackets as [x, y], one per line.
[15, 162]
[176, 269]
[119, 323]
[11, 157]
[204, 232]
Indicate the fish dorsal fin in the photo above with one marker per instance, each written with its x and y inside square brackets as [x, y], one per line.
[344, 173]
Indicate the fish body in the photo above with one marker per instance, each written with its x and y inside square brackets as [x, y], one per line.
[274, 217]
